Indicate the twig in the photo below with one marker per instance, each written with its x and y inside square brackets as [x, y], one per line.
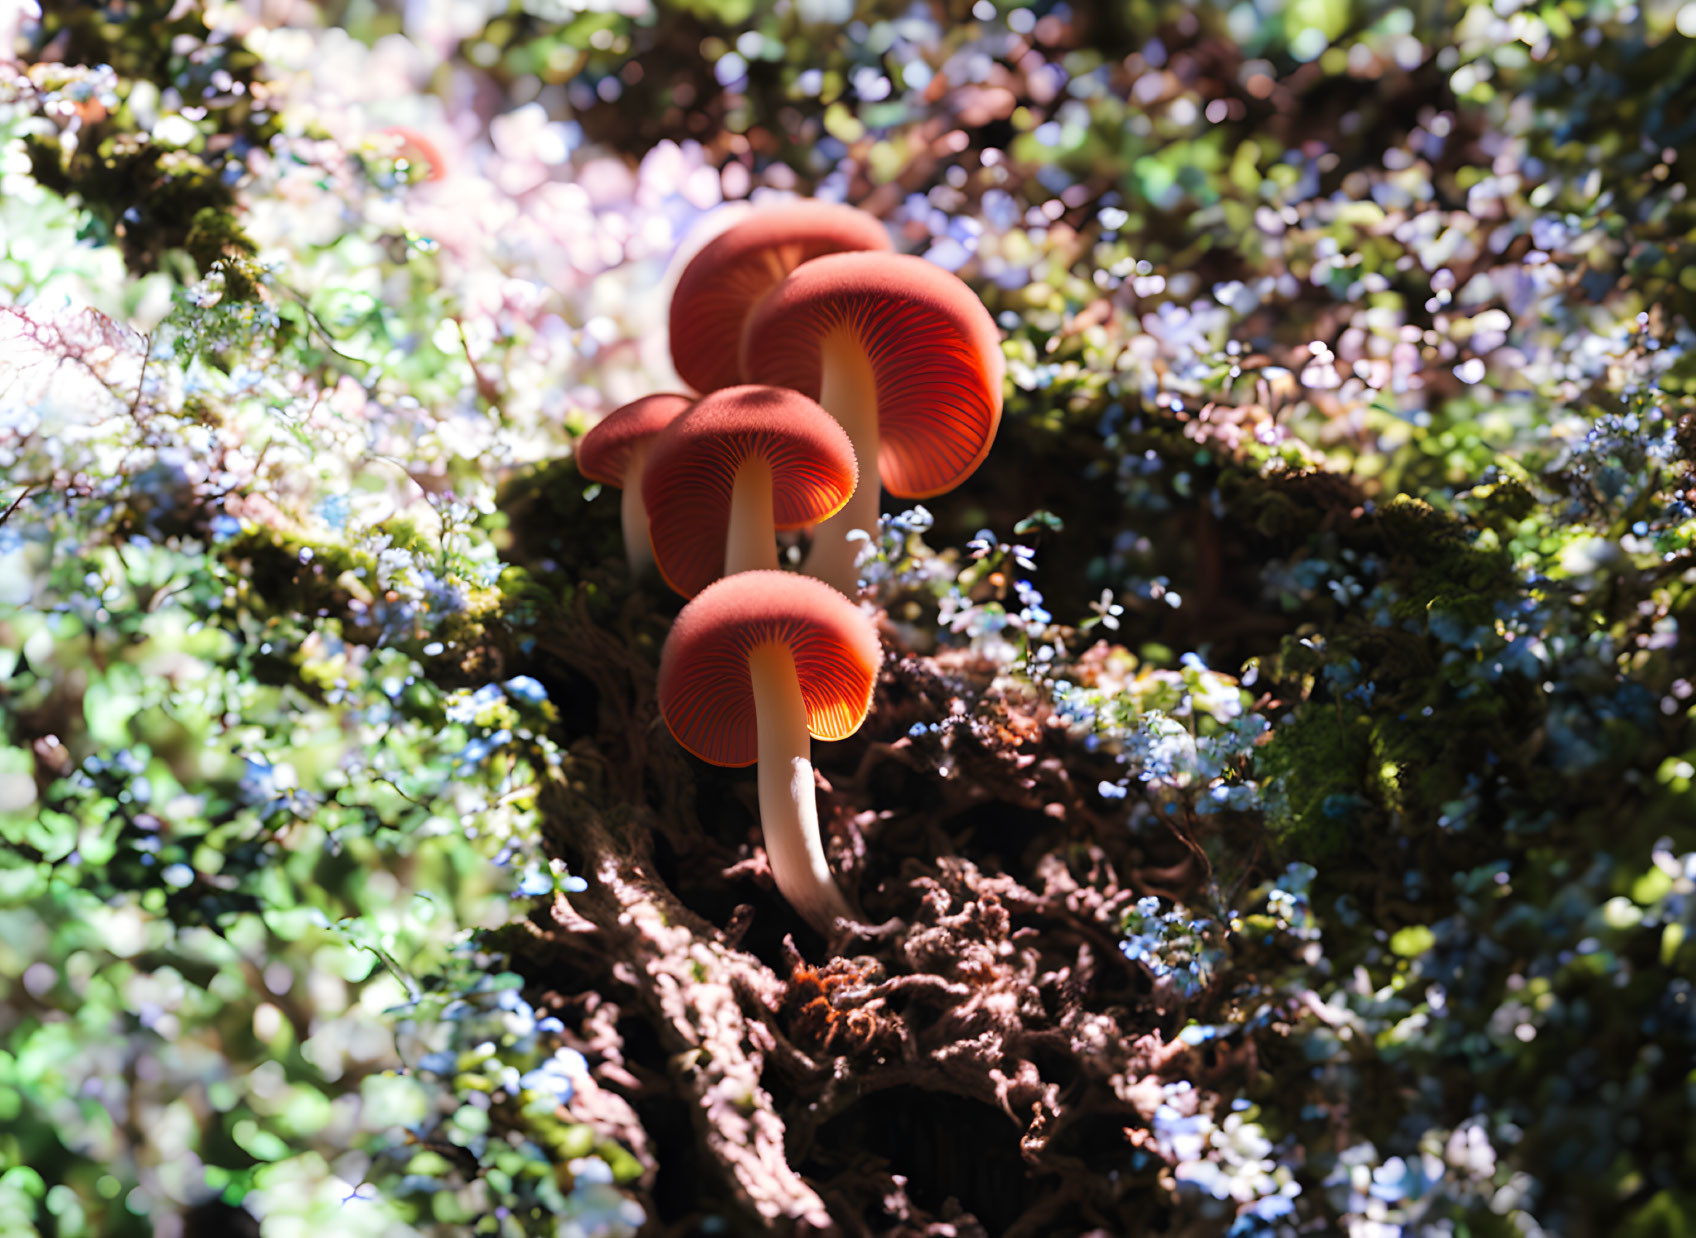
[16, 503]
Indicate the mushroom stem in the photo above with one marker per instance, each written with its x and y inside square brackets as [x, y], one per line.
[750, 541]
[848, 392]
[789, 815]
[638, 550]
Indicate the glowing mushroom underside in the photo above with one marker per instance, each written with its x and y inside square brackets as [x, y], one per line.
[903, 354]
[739, 465]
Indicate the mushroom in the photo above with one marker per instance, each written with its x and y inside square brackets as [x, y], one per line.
[905, 356]
[614, 452]
[412, 150]
[726, 475]
[757, 665]
[736, 268]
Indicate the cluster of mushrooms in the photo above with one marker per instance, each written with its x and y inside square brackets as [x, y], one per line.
[827, 363]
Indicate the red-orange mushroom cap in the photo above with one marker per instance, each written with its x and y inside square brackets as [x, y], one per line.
[699, 470]
[705, 688]
[614, 452]
[415, 149]
[934, 353]
[604, 452]
[735, 269]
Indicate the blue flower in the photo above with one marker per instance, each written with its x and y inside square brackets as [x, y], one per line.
[527, 689]
[554, 1075]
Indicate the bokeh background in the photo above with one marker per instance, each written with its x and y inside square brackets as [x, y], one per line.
[1336, 551]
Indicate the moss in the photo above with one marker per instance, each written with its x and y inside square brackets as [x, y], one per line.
[137, 194]
[403, 533]
[298, 574]
[1436, 562]
[147, 197]
[551, 524]
[519, 588]
[1286, 507]
[1391, 725]
[1311, 772]
[217, 242]
[1503, 504]
[1666, 1214]
[469, 643]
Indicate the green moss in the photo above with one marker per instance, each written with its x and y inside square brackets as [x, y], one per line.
[1502, 505]
[217, 242]
[1312, 771]
[297, 574]
[403, 533]
[145, 196]
[1436, 562]
[1389, 726]
[551, 522]
[1666, 1214]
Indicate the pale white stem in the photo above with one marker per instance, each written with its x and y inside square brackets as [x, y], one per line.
[638, 549]
[848, 392]
[750, 541]
[789, 814]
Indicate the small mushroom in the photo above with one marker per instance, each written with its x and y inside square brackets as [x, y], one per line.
[738, 267]
[614, 452]
[756, 666]
[726, 475]
[413, 150]
[905, 356]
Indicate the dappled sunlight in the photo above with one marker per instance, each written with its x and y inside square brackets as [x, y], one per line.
[1274, 813]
